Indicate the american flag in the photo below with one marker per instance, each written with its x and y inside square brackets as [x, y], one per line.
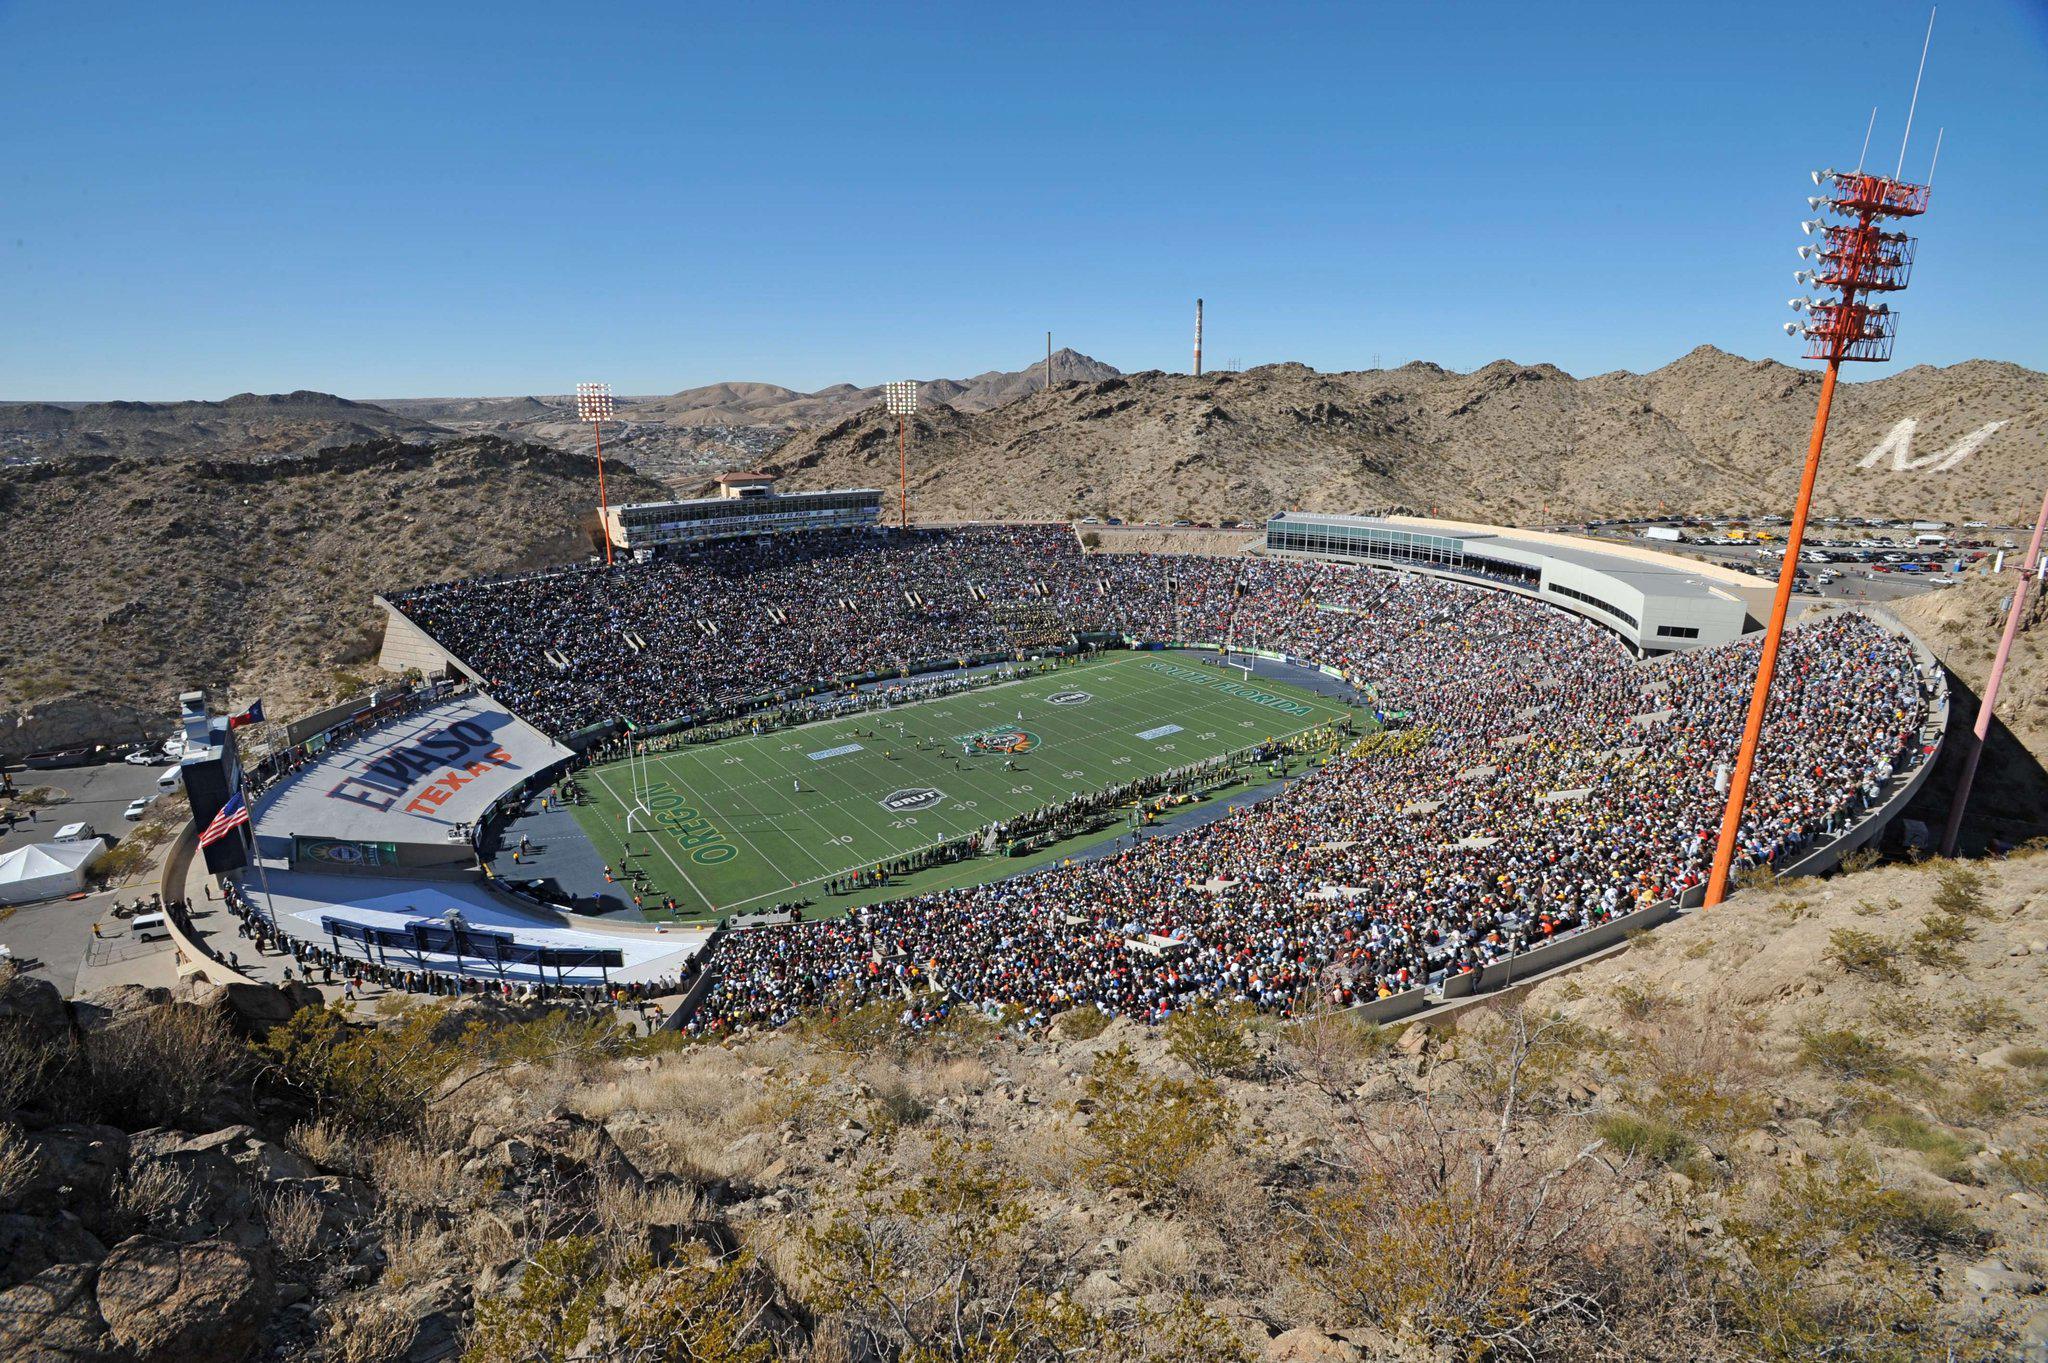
[234, 814]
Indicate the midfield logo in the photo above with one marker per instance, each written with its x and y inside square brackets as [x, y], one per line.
[916, 797]
[1001, 739]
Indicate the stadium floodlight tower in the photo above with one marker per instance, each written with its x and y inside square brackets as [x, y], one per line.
[594, 405]
[900, 398]
[1851, 263]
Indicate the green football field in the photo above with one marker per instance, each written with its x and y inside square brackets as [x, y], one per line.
[748, 823]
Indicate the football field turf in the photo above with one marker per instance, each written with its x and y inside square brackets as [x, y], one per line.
[747, 823]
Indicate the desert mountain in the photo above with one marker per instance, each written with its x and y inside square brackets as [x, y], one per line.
[165, 574]
[248, 425]
[1509, 442]
[688, 437]
[765, 404]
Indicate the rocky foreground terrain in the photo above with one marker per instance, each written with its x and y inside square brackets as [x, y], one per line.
[134, 580]
[1509, 443]
[1811, 1123]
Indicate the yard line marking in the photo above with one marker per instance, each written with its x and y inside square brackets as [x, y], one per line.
[625, 846]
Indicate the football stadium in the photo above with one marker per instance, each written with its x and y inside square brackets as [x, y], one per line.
[746, 821]
[787, 759]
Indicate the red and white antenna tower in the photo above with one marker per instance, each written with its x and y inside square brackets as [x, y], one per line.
[1198, 338]
[594, 405]
[900, 398]
[1850, 263]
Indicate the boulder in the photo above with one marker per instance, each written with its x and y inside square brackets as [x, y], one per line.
[1303, 1345]
[34, 1000]
[53, 1318]
[30, 1244]
[223, 1198]
[76, 1166]
[116, 1004]
[249, 1152]
[170, 1303]
[257, 1008]
[1988, 1276]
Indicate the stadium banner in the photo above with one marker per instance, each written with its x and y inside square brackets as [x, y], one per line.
[341, 854]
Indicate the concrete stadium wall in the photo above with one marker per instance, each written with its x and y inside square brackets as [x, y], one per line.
[407, 647]
[193, 959]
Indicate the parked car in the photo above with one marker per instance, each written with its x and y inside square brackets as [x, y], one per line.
[138, 806]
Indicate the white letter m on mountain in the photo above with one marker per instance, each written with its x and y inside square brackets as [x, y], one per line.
[1899, 444]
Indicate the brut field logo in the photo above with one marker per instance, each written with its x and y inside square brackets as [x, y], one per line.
[1899, 445]
[1001, 739]
[1070, 698]
[914, 798]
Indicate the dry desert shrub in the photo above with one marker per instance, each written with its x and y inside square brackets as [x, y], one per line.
[622, 1209]
[157, 1068]
[18, 1163]
[415, 1249]
[320, 1143]
[151, 1195]
[375, 1327]
[1150, 1131]
[1159, 1258]
[293, 1219]
[412, 1177]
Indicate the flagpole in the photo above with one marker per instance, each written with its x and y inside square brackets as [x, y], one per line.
[256, 860]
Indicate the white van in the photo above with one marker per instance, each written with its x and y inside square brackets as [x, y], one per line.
[75, 832]
[172, 779]
[1930, 541]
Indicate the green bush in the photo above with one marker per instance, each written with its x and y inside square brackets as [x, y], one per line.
[1149, 1130]
[1844, 1053]
[1212, 1040]
[1945, 1151]
[1987, 1015]
[1962, 890]
[1082, 1024]
[1643, 1137]
[1865, 953]
[1936, 941]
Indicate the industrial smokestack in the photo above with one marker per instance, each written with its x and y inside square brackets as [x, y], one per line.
[1198, 338]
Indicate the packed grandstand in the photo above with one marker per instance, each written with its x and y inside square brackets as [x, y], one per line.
[1540, 777]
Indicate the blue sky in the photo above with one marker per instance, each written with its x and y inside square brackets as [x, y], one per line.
[432, 199]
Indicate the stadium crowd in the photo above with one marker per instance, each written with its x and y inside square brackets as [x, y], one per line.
[1554, 780]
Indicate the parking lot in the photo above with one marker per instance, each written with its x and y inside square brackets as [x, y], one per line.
[55, 939]
[99, 794]
[1865, 561]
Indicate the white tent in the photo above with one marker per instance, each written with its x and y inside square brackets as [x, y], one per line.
[46, 870]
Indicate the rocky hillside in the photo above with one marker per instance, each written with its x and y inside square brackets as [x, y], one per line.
[1813, 1122]
[1513, 443]
[247, 426]
[132, 581]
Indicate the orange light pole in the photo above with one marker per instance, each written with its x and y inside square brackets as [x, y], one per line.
[1852, 259]
[900, 399]
[594, 405]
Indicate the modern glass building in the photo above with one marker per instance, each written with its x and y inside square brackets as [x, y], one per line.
[1657, 603]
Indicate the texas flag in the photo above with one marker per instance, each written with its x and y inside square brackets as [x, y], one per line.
[252, 715]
